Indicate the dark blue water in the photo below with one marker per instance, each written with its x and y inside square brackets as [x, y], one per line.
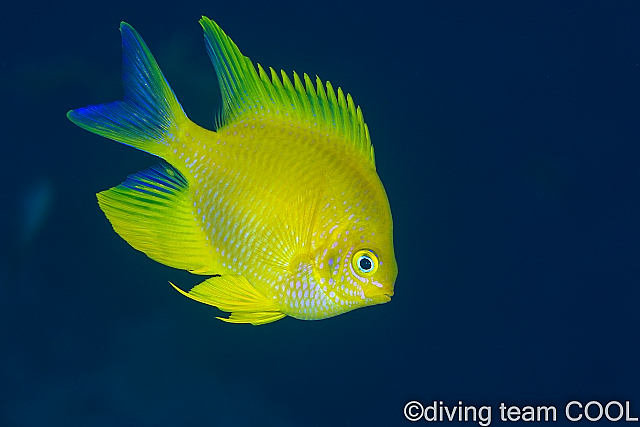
[507, 137]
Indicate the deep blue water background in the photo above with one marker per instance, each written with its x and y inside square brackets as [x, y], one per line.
[507, 136]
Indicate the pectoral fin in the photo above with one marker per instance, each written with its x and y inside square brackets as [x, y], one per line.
[236, 295]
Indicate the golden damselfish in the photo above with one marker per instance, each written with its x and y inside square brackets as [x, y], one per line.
[281, 204]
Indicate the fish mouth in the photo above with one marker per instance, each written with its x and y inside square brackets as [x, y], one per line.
[379, 296]
[382, 298]
[379, 292]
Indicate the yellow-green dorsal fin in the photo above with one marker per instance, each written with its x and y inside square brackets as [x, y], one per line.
[249, 93]
[235, 294]
[151, 211]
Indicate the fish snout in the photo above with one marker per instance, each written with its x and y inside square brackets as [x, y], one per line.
[380, 292]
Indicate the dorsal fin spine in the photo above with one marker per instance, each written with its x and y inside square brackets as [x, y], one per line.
[269, 89]
[342, 105]
[353, 124]
[323, 101]
[279, 90]
[303, 98]
[333, 107]
[249, 91]
[313, 99]
[291, 93]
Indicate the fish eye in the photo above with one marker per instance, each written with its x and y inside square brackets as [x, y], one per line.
[365, 263]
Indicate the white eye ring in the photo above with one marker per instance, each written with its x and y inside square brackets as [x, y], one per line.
[365, 263]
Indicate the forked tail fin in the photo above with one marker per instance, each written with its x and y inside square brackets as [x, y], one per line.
[149, 115]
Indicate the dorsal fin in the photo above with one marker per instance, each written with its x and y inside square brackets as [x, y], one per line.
[250, 93]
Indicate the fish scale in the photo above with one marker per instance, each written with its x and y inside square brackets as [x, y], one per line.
[281, 204]
[303, 293]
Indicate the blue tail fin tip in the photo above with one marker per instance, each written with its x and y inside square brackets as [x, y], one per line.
[149, 109]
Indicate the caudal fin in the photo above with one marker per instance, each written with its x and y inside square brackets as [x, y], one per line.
[148, 115]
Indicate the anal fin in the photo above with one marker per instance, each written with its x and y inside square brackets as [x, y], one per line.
[236, 295]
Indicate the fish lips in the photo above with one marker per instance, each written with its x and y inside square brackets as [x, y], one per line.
[379, 293]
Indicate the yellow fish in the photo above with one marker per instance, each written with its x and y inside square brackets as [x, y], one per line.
[282, 203]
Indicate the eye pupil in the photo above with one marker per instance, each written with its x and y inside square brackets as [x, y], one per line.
[365, 264]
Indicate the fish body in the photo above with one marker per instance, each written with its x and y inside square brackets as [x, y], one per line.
[282, 203]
